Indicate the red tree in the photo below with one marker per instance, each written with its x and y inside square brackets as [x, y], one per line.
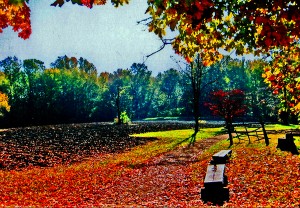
[227, 105]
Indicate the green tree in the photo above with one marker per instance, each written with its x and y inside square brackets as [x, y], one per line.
[140, 90]
[15, 87]
[170, 92]
[32, 69]
[85, 65]
[64, 62]
[118, 91]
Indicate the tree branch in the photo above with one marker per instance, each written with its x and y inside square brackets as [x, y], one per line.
[145, 21]
[165, 42]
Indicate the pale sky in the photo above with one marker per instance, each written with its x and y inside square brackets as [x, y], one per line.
[106, 36]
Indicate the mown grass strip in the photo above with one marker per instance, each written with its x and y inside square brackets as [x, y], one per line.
[165, 142]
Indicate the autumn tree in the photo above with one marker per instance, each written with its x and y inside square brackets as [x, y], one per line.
[64, 62]
[282, 76]
[15, 13]
[196, 73]
[4, 105]
[260, 99]
[228, 105]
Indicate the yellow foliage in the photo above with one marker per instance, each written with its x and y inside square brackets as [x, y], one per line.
[4, 103]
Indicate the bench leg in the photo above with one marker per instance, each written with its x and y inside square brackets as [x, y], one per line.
[216, 196]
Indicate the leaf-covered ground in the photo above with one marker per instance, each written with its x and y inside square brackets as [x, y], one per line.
[148, 176]
[46, 146]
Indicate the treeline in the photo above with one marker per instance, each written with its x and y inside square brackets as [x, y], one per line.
[71, 90]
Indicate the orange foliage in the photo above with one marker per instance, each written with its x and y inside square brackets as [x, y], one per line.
[17, 16]
[282, 76]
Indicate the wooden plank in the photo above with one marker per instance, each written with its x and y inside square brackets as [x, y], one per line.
[214, 176]
[222, 153]
[221, 157]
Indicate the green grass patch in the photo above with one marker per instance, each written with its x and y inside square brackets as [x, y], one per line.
[161, 118]
[282, 127]
[180, 135]
[167, 141]
[273, 139]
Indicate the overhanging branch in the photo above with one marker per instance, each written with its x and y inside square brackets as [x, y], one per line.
[164, 43]
[145, 21]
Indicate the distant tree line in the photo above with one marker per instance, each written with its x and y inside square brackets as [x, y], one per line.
[71, 90]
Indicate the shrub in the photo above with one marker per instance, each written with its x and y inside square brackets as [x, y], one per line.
[124, 119]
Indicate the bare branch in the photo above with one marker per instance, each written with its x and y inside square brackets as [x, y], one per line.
[165, 42]
[145, 21]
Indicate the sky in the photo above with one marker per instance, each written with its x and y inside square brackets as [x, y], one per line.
[108, 37]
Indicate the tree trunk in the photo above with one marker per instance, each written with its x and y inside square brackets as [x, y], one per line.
[265, 133]
[229, 129]
[118, 106]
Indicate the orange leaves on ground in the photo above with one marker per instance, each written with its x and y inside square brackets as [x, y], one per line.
[262, 177]
[17, 16]
[56, 186]
[257, 177]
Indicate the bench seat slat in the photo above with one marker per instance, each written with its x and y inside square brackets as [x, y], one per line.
[214, 175]
[221, 157]
[222, 153]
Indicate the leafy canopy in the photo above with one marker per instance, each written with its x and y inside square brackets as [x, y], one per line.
[227, 104]
[283, 77]
[247, 26]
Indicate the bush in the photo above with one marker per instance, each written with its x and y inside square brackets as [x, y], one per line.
[124, 119]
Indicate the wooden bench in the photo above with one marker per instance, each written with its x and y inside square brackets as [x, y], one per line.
[221, 157]
[215, 180]
[215, 183]
[288, 144]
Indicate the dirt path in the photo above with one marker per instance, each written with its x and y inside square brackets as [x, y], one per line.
[163, 181]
